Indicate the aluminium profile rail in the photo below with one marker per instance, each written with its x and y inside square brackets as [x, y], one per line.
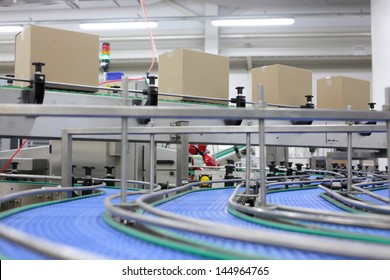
[169, 220]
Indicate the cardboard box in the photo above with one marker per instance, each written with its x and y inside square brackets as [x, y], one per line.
[338, 92]
[69, 57]
[194, 73]
[282, 84]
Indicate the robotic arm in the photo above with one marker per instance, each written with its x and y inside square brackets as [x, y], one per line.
[201, 149]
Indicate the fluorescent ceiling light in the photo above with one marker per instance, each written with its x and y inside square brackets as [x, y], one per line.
[10, 29]
[117, 25]
[253, 22]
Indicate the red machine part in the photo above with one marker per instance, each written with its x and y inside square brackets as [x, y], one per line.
[201, 149]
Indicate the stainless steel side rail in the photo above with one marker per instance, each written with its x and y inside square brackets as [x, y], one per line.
[15, 195]
[31, 176]
[46, 178]
[325, 172]
[45, 247]
[142, 112]
[359, 187]
[379, 209]
[284, 212]
[165, 219]
[51, 249]
[48, 248]
[368, 174]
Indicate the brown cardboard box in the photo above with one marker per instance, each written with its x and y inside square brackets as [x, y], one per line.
[338, 92]
[69, 57]
[194, 73]
[282, 84]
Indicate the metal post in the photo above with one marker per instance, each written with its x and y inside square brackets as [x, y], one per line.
[262, 154]
[66, 159]
[125, 90]
[182, 142]
[349, 156]
[135, 161]
[387, 108]
[248, 165]
[124, 159]
[388, 154]
[262, 164]
[152, 161]
[124, 140]
[349, 162]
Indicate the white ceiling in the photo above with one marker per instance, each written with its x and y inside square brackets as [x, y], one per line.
[326, 31]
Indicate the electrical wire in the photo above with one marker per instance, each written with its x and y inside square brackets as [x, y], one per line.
[12, 157]
[151, 39]
[152, 46]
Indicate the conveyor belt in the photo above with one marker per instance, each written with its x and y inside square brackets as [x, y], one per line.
[211, 205]
[366, 197]
[311, 199]
[307, 198]
[79, 223]
[290, 196]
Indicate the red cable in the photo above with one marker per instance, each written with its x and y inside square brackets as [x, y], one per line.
[150, 34]
[109, 81]
[11, 158]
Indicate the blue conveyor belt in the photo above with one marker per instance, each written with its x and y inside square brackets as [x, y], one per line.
[311, 199]
[305, 198]
[211, 205]
[366, 197]
[79, 223]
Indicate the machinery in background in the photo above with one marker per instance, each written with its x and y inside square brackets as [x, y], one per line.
[96, 155]
[98, 160]
[201, 149]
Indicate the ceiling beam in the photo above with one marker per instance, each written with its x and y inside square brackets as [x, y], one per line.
[116, 3]
[239, 11]
[72, 4]
[114, 14]
[179, 7]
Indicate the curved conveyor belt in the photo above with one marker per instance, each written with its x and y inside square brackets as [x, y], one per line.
[211, 206]
[80, 223]
[314, 199]
[384, 193]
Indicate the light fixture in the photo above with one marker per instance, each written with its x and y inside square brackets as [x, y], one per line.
[118, 25]
[10, 29]
[253, 22]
